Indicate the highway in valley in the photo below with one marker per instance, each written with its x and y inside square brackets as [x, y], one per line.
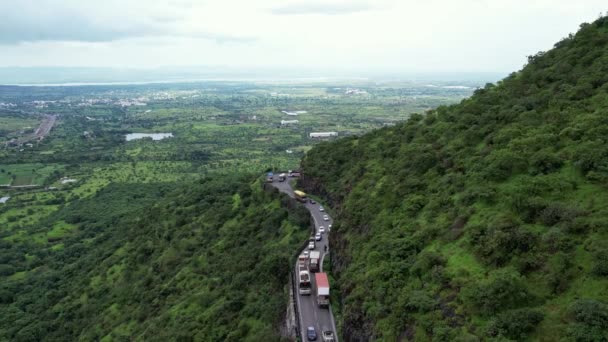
[310, 314]
[42, 131]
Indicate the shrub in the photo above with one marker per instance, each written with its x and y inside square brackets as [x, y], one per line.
[544, 161]
[6, 270]
[584, 333]
[420, 301]
[600, 258]
[497, 244]
[504, 289]
[515, 324]
[559, 272]
[590, 312]
[425, 262]
[556, 213]
[589, 319]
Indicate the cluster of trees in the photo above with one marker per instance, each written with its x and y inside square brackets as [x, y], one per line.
[206, 261]
[485, 219]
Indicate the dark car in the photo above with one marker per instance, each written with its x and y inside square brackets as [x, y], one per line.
[312, 201]
[311, 333]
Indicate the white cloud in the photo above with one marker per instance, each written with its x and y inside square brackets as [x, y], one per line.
[110, 20]
[324, 7]
[405, 35]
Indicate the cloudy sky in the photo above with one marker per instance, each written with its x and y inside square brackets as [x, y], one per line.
[405, 35]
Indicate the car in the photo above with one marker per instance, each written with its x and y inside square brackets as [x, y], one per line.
[311, 245]
[312, 201]
[325, 218]
[318, 237]
[306, 254]
[328, 336]
[329, 228]
[321, 229]
[311, 333]
[321, 208]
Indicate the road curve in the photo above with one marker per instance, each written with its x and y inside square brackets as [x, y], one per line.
[310, 313]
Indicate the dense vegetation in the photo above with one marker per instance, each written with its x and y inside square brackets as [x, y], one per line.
[207, 261]
[482, 220]
[108, 239]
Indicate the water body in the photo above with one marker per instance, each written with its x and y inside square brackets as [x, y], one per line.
[154, 136]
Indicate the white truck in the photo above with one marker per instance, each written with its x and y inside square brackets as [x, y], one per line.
[304, 285]
[328, 336]
[282, 177]
[313, 261]
[304, 282]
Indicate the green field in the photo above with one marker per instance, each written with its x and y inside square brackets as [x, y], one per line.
[12, 123]
[27, 174]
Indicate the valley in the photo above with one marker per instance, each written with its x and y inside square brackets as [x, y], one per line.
[304, 171]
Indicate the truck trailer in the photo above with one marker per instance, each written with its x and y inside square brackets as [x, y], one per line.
[313, 261]
[322, 289]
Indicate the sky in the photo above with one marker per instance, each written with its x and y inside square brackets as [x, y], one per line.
[378, 35]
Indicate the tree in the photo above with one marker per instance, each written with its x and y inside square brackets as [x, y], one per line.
[504, 289]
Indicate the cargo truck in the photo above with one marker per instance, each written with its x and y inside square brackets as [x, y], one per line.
[269, 177]
[304, 281]
[322, 289]
[313, 261]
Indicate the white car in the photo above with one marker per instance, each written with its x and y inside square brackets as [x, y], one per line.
[325, 218]
[311, 245]
[318, 237]
[321, 208]
[306, 254]
[329, 228]
[321, 229]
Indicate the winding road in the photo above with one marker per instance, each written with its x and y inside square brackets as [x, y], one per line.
[310, 314]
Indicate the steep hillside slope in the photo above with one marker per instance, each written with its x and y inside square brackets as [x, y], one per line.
[486, 219]
[205, 262]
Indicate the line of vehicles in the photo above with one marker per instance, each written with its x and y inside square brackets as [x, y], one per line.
[306, 266]
[309, 262]
[270, 176]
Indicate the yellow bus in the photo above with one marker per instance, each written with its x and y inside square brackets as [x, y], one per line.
[300, 196]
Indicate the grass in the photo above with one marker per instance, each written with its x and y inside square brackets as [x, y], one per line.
[60, 229]
[24, 216]
[27, 174]
[459, 259]
[9, 123]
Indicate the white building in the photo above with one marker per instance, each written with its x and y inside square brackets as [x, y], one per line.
[289, 122]
[323, 134]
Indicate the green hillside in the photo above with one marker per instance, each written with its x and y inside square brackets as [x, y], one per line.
[208, 261]
[482, 220]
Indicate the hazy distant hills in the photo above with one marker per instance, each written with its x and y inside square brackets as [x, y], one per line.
[67, 75]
